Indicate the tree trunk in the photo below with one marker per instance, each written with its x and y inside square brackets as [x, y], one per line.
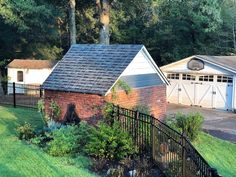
[72, 26]
[104, 11]
[234, 37]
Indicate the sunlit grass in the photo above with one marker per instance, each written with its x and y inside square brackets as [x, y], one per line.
[220, 154]
[20, 159]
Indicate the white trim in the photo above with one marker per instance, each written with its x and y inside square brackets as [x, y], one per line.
[198, 57]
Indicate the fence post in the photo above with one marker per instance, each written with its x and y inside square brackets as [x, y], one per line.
[136, 128]
[118, 112]
[40, 92]
[183, 155]
[14, 94]
[152, 138]
[214, 173]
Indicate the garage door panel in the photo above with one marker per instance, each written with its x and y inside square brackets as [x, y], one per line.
[209, 91]
[223, 96]
[187, 94]
[173, 93]
[204, 95]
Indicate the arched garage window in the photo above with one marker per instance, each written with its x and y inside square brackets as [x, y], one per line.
[20, 76]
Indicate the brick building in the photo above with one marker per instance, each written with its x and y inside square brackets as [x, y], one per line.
[88, 72]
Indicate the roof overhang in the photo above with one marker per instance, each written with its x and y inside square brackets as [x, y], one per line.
[201, 58]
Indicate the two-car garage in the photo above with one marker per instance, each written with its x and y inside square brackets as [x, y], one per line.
[206, 81]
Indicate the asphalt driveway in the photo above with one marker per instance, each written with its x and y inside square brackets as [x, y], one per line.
[218, 123]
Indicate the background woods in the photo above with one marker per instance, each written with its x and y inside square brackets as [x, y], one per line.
[171, 29]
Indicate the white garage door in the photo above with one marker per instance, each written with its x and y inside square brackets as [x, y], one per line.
[207, 91]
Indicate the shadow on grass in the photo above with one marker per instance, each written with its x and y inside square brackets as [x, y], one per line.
[7, 172]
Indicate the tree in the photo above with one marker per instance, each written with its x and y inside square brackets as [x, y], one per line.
[72, 25]
[29, 29]
[103, 8]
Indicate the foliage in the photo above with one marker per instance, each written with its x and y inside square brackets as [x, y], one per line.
[142, 108]
[53, 125]
[41, 139]
[107, 113]
[84, 134]
[169, 29]
[41, 110]
[23, 159]
[25, 131]
[190, 124]
[110, 142]
[55, 110]
[64, 141]
[120, 84]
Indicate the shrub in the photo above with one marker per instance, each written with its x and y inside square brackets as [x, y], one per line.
[41, 139]
[142, 108]
[108, 113]
[41, 110]
[84, 134]
[190, 124]
[55, 110]
[25, 131]
[64, 141]
[53, 125]
[110, 142]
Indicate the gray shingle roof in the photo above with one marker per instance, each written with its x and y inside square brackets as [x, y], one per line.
[225, 61]
[91, 68]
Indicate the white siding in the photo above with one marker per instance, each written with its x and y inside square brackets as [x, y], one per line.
[139, 65]
[30, 76]
[208, 69]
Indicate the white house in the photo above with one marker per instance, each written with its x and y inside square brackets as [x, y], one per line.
[205, 81]
[28, 72]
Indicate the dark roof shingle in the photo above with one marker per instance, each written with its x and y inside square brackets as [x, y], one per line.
[91, 68]
[31, 64]
[225, 61]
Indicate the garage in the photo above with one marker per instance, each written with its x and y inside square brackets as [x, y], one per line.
[204, 81]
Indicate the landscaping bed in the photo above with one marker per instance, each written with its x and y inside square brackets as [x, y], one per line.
[17, 158]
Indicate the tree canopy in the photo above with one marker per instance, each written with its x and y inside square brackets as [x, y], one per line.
[170, 29]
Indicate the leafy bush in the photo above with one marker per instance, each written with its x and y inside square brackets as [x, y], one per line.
[41, 139]
[38, 140]
[84, 134]
[142, 108]
[26, 131]
[190, 124]
[55, 110]
[41, 110]
[108, 113]
[53, 125]
[41, 106]
[110, 142]
[64, 141]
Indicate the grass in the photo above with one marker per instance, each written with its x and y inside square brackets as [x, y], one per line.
[20, 159]
[220, 154]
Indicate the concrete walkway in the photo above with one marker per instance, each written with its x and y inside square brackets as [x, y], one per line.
[218, 123]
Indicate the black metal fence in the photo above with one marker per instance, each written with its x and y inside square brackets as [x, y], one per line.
[171, 151]
[15, 94]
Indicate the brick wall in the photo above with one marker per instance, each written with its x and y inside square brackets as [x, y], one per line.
[153, 97]
[88, 106]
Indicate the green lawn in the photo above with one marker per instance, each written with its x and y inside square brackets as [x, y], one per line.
[19, 159]
[220, 154]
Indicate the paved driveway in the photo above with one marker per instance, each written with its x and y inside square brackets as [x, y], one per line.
[218, 123]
